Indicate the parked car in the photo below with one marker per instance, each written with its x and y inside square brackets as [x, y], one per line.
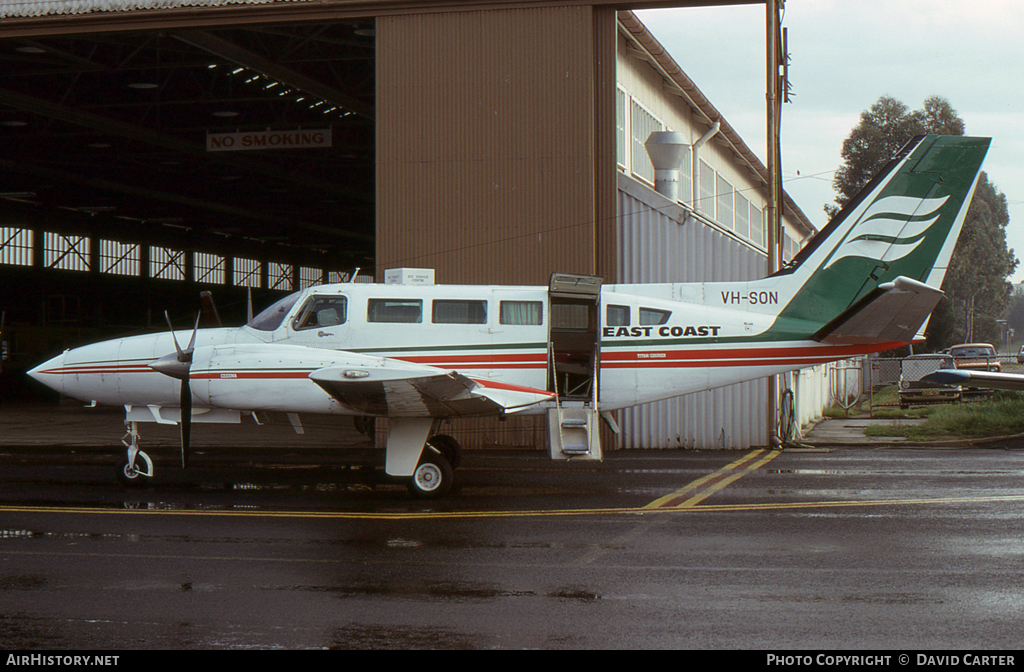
[975, 357]
[913, 390]
[1020, 355]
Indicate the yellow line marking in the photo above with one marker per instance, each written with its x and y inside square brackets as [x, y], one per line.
[662, 501]
[440, 515]
[704, 494]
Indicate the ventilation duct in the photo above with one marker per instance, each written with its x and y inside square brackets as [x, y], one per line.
[666, 149]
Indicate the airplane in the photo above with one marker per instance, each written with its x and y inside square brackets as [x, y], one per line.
[983, 379]
[575, 350]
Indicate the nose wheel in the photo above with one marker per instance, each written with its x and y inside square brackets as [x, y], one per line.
[137, 469]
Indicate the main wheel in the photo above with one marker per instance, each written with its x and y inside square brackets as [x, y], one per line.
[138, 475]
[447, 446]
[433, 477]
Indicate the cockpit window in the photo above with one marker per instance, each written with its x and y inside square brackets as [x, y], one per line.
[272, 317]
[322, 311]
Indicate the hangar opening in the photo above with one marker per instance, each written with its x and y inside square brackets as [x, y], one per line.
[141, 167]
[151, 150]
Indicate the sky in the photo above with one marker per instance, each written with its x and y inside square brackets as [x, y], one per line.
[845, 55]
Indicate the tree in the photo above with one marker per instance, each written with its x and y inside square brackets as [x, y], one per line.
[976, 286]
[882, 131]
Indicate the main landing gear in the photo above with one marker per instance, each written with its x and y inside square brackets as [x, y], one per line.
[426, 465]
[435, 472]
[137, 468]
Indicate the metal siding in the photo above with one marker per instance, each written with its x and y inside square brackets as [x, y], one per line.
[489, 158]
[496, 154]
[655, 247]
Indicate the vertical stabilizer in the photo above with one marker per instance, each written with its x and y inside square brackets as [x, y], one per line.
[903, 224]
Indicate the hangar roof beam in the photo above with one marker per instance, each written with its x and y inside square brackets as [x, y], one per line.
[112, 126]
[236, 54]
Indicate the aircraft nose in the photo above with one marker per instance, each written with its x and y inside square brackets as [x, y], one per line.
[51, 372]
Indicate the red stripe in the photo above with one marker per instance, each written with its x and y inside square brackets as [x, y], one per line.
[99, 369]
[824, 352]
[512, 388]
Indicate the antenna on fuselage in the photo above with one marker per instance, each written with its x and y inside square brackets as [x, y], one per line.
[354, 274]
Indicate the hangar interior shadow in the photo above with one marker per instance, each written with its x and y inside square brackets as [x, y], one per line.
[112, 209]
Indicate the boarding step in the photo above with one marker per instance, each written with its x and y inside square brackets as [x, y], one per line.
[573, 431]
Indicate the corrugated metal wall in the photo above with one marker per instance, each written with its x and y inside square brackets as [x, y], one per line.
[659, 242]
[496, 155]
[495, 143]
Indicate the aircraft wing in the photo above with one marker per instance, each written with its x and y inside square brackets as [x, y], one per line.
[400, 393]
[894, 312]
[986, 379]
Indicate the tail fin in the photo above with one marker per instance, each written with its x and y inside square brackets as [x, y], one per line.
[902, 226]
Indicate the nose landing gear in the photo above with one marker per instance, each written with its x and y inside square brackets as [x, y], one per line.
[137, 469]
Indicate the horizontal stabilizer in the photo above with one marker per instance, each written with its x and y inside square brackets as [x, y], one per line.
[892, 313]
[985, 379]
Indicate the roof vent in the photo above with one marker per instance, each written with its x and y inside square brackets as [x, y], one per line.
[666, 149]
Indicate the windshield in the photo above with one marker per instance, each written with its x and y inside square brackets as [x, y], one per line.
[974, 351]
[271, 318]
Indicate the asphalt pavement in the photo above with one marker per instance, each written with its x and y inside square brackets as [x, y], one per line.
[73, 425]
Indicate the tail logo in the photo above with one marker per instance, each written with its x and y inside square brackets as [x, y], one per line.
[890, 229]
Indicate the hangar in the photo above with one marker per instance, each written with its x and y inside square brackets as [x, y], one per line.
[154, 149]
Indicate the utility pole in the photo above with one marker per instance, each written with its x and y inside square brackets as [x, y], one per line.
[776, 86]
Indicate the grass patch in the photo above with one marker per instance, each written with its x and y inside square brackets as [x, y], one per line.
[883, 403]
[998, 415]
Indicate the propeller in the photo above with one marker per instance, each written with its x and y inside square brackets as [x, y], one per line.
[3, 320]
[177, 365]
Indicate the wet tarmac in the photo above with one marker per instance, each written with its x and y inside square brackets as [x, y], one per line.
[263, 546]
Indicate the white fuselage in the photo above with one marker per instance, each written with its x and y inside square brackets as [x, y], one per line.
[654, 342]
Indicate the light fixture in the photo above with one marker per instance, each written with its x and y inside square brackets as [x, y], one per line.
[15, 122]
[143, 85]
[225, 113]
[99, 145]
[31, 50]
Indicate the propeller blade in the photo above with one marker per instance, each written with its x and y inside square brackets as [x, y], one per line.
[177, 348]
[177, 366]
[186, 420]
[210, 309]
[192, 341]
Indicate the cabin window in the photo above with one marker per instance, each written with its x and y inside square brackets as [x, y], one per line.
[408, 311]
[617, 316]
[651, 316]
[322, 311]
[521, 312]
[454, 311]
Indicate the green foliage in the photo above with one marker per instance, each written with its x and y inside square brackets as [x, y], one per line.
[1015, 313]
[1001, 415]
[882, 131]
[976, 286]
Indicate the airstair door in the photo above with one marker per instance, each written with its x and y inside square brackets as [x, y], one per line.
[574, 365]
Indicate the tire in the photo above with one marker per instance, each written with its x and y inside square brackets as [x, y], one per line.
[447, 446]
[433, 477]
[135, 477]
